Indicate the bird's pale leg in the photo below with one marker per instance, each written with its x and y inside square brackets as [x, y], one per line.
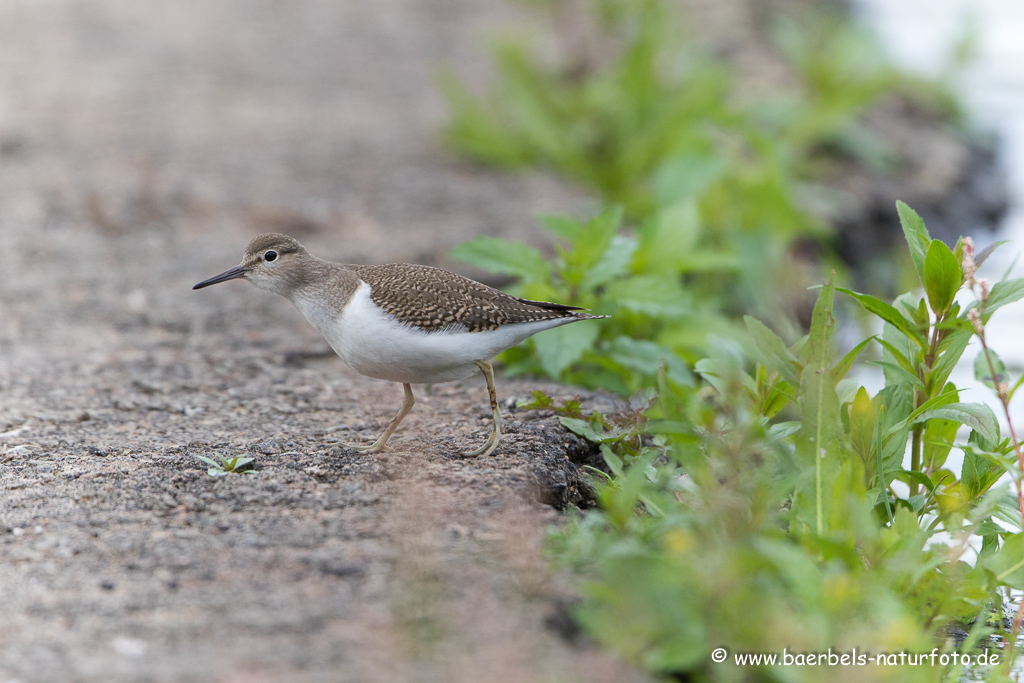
[492, 440]
[378, 445]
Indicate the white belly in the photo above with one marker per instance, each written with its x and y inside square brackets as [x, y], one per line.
[376, 345]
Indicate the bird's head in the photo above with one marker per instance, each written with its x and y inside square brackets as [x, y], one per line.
[272, 262]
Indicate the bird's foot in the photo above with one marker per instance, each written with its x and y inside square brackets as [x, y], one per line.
[489, 445]
[375, 447]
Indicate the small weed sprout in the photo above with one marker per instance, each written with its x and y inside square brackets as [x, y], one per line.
[226, 466]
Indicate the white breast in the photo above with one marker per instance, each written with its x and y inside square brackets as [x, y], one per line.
[376, 345]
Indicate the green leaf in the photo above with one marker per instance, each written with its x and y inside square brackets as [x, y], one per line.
[939, 434]
[503, 256]
[208, 461]
[710, 261]
[686, 177]
[894, 404]
[589, 243]
[982, 256]
[954, 344]
[620, 499]
[915, 477]
[523, 104]
[560, 347]
[782, 430]
[1013, 390]
[613, 461]
[983, 372]
[1007, 512]
[564, 226]
[887, 313]
[947, 396]
[920, 314]
[725, 365]
[862, 427]
[584, 429]
[916, 235]
[990, 540]
[1005, 292]
[772, 396]
[843, 366]
[819, 409]
[942, 276]
[614, 263]
[977, 416]
[658, 295]
[647, 598]
[846, 390]
[718, 372]
[647, 357]
[540, 401]
[897, 375]
[892, 338]
[771, 351]
[669, 239]
[1007, 563]
[897, 355]
[978, 473]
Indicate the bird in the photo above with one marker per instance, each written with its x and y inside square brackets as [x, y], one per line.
[400, 322]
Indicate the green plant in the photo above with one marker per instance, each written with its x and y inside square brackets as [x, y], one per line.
[713, 187]
[769, 506]
[224, 466]
[662, 142]
[634, 107]
[644, 107]
[608, 125]
[636, 278]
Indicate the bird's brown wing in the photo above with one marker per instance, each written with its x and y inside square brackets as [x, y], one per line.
[434, 299]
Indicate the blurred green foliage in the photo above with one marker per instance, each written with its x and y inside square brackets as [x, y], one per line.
[716, 185]
[647, 114]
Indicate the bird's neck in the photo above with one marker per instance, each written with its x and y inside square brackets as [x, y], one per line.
[320, 289]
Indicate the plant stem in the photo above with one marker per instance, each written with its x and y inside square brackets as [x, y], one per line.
[1004, 399]
[919, 398]
[819, 452]
[915, 456]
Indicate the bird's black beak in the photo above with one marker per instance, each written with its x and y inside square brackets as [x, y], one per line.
[236, 272]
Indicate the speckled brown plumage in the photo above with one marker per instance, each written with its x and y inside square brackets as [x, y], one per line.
[433, 299]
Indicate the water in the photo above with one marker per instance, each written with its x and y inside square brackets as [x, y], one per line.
[922, 36]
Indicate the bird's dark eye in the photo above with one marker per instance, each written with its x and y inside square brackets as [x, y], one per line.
[271, 255]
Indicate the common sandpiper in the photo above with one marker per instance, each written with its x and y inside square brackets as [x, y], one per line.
[400, 322]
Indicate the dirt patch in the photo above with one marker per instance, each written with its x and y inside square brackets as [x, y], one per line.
[124, 560]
